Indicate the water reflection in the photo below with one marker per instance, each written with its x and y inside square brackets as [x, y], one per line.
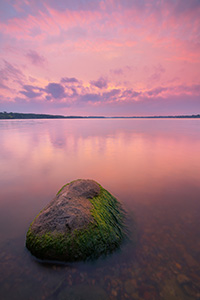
[152, 166]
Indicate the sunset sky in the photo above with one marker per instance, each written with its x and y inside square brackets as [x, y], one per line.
[100, 57]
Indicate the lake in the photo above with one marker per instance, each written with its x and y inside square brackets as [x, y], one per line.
[152, 166]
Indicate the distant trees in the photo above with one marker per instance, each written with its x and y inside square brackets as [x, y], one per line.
[11, 115]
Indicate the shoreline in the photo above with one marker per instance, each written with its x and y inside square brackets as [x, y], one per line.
[20, 116]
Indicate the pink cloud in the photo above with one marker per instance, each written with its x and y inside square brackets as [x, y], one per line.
[158, 70]
[100, 83]
[30, 91]
[10, 77]
[68, 80]
[100, 52]
[56, 90]
[35, 58]
[180, 99]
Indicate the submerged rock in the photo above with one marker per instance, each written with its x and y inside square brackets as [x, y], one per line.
[83, 221]
[82, 292]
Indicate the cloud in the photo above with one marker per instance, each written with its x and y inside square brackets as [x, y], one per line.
[48, 97]
[129, 94]
[157, 73]
[100, 83]
[183, 89]
[156, 92]
[113, 38]
[7, 11]
[111, 94]
[122, 71]
[105, 97]
[35, 58]
[31, 91]
[74, 92]
[23, 8]
[182, 6]
[10, 72]
[90, 97]
[11, 79]
[172, 91]
[117, 71]
[56, 90]
[76, 5]
[3, 86]
[69, 80]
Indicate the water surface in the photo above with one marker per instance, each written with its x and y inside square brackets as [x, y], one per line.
[152, 166]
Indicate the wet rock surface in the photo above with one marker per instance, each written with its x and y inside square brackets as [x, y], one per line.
[82, 222]
[69, 210]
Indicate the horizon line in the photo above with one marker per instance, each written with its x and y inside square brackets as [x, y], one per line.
[16, 115]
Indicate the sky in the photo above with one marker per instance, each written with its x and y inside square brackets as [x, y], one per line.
[100, 57]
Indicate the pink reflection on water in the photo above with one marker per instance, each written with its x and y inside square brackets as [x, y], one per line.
[152, 166]
[124, 155]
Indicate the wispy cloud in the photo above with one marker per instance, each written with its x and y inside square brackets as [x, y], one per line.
[11, 80]
[11, 73]
[69, 80]
[100, 54]
[157, 73]
[35, 58]
[100, 83]
[31, 91]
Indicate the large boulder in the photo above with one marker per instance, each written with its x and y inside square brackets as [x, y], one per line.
[82, 222]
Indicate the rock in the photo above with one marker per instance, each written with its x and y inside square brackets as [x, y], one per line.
[114, 293]
[83, 221]
[130, 286]
[183, 279]
[83, 292]
[191, 262]
[171, 290]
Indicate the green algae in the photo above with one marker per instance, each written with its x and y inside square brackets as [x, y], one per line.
[102, 236]
[63, 188]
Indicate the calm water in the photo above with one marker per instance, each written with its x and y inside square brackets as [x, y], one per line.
[151, 166]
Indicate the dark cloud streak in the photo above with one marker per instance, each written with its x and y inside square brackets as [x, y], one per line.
[35, 58]
[56, 90]
[30, 91]
[69, 80]
[100, 83]
[11, 73]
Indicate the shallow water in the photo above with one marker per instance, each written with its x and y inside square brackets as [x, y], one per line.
[152, 166]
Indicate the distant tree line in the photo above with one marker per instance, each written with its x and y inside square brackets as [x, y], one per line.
[12, 115]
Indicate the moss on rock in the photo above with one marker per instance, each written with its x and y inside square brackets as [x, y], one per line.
[101, 234]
